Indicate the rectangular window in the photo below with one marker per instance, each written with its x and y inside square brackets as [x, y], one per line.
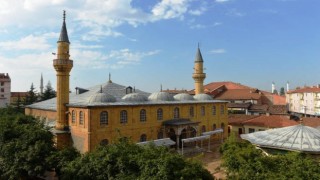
[202, 111]
[251, 130]
[222, 109]
[2, 89]
[2, 83]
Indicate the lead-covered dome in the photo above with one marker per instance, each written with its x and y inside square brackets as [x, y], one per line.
[101, 97]
[161, 96]
[202, 97]
[134, 97]
[183, 97]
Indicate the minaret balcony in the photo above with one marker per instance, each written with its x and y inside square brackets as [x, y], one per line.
[199, 75]
[62, 62]
[62, 65]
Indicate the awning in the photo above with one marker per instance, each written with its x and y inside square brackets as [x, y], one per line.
[193, 139]
[217, 131]
[159, 142]
[177, 122]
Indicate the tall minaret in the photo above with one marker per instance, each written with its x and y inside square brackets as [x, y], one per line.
[273, 87]
[198, 74]
[41, 85]
[288, 89]
[63, 65]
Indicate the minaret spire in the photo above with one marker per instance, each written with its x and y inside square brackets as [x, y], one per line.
[64, 33]
[109, 78]
[198, 74]
[41, 85]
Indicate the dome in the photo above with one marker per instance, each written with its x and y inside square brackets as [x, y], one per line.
[183, 97]
[134, 97]
[102, 98]
[161, 96]
[202, 97]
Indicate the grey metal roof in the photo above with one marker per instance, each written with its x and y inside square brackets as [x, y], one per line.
[202, 97]
[161, 96]
[294, 138]
[159, 142]
[64, 33]
[183, 97]
[115, 90]
[101, 97]
[198, 57]
[135, 97]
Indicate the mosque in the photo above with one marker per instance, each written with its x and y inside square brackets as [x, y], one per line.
[103, 113]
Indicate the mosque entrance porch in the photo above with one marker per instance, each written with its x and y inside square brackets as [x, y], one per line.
[178, 129]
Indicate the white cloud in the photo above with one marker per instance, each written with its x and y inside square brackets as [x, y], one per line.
[218, 51]
[197, 26]
[169, 9]
[29, 42]
[198, 12]
[236, 13]
[217, 23]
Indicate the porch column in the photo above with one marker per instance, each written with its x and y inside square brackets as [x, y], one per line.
[178, 141]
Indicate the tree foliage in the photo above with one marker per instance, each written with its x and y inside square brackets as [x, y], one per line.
[124, 160]
[48, 93]
[32, 96]
[282, 92]
[243, 161]
[24, 145]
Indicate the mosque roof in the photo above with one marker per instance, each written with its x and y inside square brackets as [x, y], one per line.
[183, 97]
[104, 95]
[293, 138]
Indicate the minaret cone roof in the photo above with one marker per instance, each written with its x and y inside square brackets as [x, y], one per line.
[64, 33]
[198, 56]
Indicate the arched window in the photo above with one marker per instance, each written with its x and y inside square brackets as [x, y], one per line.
[160, 135]
[222, 109]
[143, 138]
[104, 142]
[176, 113]
[214, 110]
[222, 126]
[104, 118]
[73, 116]
[143, 115]
[203, 129]
[159, 114]
[214, 127]
[123, 117]
[191, 111]
[202, 111]
[81, 117]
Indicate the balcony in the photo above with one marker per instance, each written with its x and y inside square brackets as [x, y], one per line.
[62, 62]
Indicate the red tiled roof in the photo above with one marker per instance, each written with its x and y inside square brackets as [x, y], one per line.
[278, 109]
[305, 90]
[239, 105]
[272, 121]
[228, 84]
[239, 94]
[238, 119]
[257, 107]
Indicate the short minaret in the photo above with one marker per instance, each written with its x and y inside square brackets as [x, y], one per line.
[273, 87]
[288, 89]
[63, 65]
[41, 85]
[198, 74]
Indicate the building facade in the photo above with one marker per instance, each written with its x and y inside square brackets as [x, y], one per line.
[103, 113]
[304, 101]
[5, 89]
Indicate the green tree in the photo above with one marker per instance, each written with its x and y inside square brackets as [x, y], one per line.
[282, 92]
[32, 96]
[48, 93]
[243, 161]
[124, 160]
[24, 145]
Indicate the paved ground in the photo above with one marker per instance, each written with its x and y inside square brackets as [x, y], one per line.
[211, 160]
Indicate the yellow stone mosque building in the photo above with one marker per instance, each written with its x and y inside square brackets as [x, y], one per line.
[103, 113]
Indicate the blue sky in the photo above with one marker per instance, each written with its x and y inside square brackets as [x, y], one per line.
[145, 43]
